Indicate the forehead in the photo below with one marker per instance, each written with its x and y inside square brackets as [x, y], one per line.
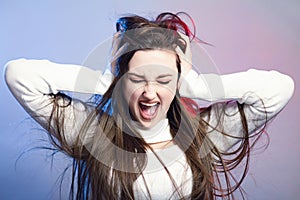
[158, 61]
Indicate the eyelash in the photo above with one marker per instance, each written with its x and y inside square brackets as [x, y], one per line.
[140, 81]
[164, 82]
[137, 81]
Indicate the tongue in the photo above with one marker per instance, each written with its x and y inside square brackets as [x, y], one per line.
[148, 110]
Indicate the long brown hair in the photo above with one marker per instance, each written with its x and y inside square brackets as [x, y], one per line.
[100, 171]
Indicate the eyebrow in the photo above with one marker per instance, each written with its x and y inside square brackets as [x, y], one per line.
[141, 76]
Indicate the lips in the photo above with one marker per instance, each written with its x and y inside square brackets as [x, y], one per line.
[148, 110]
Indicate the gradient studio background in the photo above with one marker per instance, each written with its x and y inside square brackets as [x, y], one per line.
[262, 34]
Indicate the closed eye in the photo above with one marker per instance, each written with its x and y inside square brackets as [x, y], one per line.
[137, 80]
[164, 82]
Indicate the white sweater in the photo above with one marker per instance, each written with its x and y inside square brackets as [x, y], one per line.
[262, 92]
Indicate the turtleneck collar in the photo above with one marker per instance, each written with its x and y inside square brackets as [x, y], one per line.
[158, 133]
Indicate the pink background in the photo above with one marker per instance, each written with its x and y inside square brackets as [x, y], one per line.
[246, 34]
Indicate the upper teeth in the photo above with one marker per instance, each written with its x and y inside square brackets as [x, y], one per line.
[148, 104]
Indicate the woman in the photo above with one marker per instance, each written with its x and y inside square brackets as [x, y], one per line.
[144, 137]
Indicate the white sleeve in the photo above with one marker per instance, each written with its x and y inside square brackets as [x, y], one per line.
[263, 93]
[33, 82]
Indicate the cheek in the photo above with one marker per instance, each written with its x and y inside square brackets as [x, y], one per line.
[171, 88]
[131, 92]
[167, 95]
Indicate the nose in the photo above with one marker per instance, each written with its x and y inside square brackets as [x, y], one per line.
[149, 91]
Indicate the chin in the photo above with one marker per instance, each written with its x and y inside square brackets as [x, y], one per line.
[149, 123]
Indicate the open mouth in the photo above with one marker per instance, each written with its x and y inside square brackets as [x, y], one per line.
[148, 111]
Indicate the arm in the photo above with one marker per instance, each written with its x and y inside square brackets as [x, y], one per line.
[33, 83]
[263, 93]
